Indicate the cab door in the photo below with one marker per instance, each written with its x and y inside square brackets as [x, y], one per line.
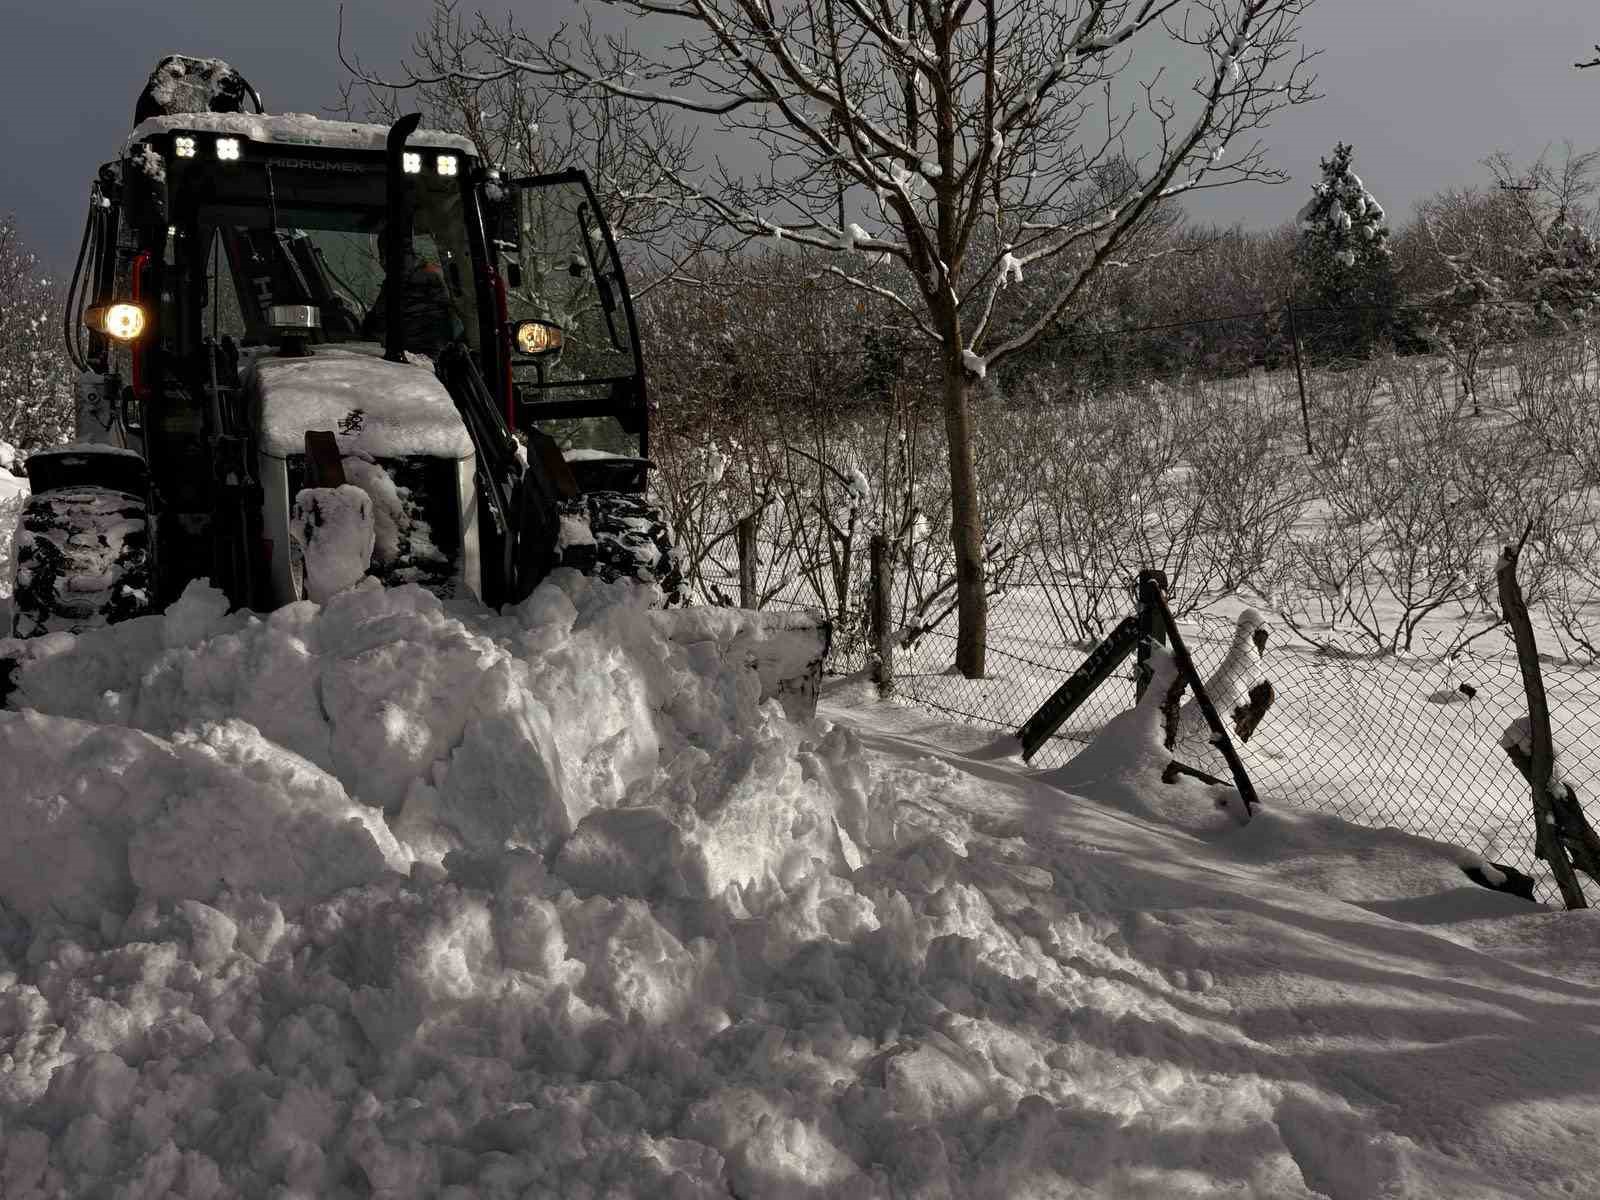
[576, 368]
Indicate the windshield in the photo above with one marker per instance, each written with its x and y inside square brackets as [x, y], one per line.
[283, 236]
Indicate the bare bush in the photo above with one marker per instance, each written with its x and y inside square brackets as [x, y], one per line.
[1398, 545]
[1341, 408]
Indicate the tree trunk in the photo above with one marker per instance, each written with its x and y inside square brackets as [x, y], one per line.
[966, 522]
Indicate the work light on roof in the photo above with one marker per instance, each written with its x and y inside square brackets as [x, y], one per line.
[183, 147]
[228, 149]
[445, 164]
[411, 163]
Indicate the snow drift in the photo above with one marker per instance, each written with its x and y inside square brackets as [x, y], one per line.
[393, 897]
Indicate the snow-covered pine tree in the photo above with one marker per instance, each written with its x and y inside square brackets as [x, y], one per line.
[1344, 259]
[1561, 277]
[35, 377]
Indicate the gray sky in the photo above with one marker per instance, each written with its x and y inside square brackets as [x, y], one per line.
[1423, 88]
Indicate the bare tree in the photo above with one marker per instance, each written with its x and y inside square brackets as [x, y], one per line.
[457, 79]
[969, 141]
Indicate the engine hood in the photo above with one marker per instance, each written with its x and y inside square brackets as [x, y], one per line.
[376, 408]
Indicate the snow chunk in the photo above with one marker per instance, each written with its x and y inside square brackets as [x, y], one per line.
[974, 363]
[852, 235]
[335, 531]
[92, 813]
[152, 164]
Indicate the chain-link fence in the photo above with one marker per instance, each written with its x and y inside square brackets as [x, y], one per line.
[1406, 741]
[1409, 741]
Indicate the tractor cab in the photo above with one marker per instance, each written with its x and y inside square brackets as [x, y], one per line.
[247, 278]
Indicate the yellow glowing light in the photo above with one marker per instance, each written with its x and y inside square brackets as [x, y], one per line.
[538, 337]
[125, 322]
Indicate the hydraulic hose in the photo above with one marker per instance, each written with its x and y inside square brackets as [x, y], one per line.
[71, 326]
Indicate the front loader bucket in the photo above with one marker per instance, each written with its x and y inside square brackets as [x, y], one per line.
[786, 649]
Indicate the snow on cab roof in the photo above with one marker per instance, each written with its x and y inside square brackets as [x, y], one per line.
[293, 129]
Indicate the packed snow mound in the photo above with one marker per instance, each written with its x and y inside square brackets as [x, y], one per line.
[97, 814]
[471, 731]
[393, 898]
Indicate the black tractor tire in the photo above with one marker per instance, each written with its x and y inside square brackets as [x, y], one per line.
[83, 559]
[631, 539]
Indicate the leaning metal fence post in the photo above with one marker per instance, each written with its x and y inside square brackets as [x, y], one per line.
[1300, 376]
[1219, 735]
[1150, 584]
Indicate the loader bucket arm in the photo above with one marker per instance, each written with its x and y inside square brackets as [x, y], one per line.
[516, 489]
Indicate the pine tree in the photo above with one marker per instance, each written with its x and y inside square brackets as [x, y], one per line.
[1344, 257]
[1561, 277]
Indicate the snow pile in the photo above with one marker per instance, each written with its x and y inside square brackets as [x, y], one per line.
[390, 898]
[183, 84]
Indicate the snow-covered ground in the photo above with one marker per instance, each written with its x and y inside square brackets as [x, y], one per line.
[387, 898]
[13, 488]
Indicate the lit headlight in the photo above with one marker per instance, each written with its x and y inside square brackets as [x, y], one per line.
[183, 147]
[228, 149]
[124, 322]
[538, 338]
[411, 163]
[446, 164]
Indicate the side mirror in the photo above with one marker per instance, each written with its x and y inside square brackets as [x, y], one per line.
[514, 274]
[537, 339]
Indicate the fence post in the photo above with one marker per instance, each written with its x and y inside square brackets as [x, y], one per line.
[1147, 587]
[1562, 837]
[1300, 377]
[746, 538]
[878, 616]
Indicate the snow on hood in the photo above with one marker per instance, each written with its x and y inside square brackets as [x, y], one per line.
[374, 407]
[293, 129]
[395, 898]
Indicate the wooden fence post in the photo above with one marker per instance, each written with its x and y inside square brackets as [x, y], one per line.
[1561, 834]
[746, 538]
[1149, 584]
[878, 616]
[1300, 377]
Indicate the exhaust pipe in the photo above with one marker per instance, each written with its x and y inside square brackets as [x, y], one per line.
[400, 202]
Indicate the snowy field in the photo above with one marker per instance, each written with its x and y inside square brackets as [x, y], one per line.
[391, 899]
[1384, 738]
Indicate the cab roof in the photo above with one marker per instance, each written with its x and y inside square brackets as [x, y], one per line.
[293, 129]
